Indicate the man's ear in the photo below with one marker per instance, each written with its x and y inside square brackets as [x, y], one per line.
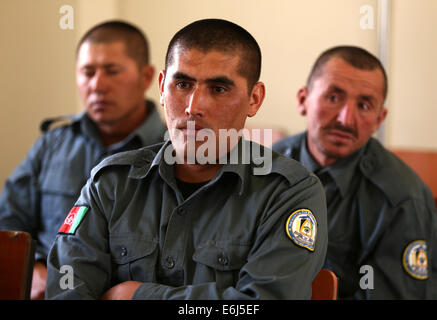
[301, 96]
[381, 117]
[256, 98]
[161, 81]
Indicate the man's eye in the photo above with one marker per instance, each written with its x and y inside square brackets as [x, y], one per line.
[219, 89]
[364, 106]
[333, 98]
[88, 73]
[113, 71]
[182, 85]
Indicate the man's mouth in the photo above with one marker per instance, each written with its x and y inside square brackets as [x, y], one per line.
[341, 135]
[100, 104]
[190, 127]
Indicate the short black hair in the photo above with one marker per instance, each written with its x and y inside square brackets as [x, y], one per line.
[355, 56]
[135, 41]
[224, 36]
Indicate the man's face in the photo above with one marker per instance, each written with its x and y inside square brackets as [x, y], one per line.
[110, 83]
[205, 88]
[344, 108]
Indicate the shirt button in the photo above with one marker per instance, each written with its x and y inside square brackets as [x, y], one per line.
[223, 261]
[169, 262]
[123, 251]
[367, 165]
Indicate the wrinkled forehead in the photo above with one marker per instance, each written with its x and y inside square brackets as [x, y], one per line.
[337, 73]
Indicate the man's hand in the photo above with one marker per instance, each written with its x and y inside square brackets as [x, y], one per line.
[122, 291]
[38, 281]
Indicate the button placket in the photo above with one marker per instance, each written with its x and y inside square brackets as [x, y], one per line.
[174, 240]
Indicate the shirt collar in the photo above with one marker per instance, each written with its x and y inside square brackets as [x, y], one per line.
[241, 163]
[152, 129]
[342, 171]
[307, 159]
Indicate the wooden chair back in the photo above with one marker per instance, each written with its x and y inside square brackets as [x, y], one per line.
[325, 286]
[424, 163]
[16, 265]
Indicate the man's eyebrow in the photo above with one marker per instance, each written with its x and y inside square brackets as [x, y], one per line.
[182, 76]
[364, 97]
[369, 98]
[336, 89]
[221, 79]
[93, 66]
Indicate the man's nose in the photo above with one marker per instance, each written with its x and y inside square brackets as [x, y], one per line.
[347, 114]
[99, 81]
[197, 103]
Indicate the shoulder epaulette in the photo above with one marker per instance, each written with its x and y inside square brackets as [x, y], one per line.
[132, 159]
[389, 173]
[289, 168]
[46, 125]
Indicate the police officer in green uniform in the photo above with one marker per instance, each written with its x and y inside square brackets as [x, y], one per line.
[158, 223]
[381, 216]
[113, 73]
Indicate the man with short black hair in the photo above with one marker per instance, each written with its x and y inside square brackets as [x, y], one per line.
[180, 221]
[381, 216]
[112, 74]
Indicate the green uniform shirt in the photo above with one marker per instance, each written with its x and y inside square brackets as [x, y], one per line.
[341, 183]
[381, 223]
[227, 240]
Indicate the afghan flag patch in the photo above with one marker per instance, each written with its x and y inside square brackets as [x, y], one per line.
[73, 220]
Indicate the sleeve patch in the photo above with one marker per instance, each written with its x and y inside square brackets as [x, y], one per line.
[73, 219]
[301, 227]
[415, 260]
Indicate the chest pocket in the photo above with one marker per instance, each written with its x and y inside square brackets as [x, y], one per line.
[133, 258]
[59, 189]
[59, 185]
[221, 263]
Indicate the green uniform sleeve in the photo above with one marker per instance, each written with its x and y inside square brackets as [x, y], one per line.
[79, 262]
[19, 201]
[399, 271]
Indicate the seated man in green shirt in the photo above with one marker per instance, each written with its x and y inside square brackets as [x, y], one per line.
[163, 223]
[381, 216]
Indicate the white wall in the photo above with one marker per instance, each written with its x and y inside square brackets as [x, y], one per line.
[37, 57]
[36, 74]
[413, 75]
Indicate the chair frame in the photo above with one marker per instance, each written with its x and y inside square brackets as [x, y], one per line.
[16, 264]
[325, 286]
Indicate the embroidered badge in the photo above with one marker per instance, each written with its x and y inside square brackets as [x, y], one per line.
[415, 260]
[301, 227]
[73, 219]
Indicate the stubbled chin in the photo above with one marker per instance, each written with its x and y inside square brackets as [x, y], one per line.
[340, 151]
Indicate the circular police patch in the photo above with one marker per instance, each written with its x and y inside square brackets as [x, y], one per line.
[301, 227]
[415, 260]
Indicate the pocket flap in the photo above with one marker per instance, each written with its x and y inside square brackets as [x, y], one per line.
[58, 182]
[125, 249]
[226, 257]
